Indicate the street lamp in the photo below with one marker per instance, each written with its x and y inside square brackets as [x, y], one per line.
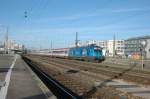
[143, 43]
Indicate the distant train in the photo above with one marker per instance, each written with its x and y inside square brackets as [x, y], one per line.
[87, 53]
[91, 53]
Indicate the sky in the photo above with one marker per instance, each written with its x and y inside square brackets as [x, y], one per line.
[57, 21]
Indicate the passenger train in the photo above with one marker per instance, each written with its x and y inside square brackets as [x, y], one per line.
[91, 52]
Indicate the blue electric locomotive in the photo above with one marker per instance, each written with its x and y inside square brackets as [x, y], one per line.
[87, 53]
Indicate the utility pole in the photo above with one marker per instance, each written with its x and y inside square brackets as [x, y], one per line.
[143, 43]
[6, 41]
[40, 47]
[51, 48]
[76, 41]
[114, 45]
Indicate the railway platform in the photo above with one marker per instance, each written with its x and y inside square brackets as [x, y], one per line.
[17, 81]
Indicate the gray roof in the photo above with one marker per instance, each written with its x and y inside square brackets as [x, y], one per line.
[140, 37]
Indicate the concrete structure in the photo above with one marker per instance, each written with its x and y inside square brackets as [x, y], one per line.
[20, 82]
[134, 46]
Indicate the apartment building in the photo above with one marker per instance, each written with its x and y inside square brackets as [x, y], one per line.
[139, 46]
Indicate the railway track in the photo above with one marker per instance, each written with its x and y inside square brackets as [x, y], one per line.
[64, 79]
[110, 69]
[55, 67]
[59, 90]
[128, 74]
[108, 66]
[101, 65]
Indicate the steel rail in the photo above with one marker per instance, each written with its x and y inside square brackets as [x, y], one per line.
[60, 91]
[132, 73]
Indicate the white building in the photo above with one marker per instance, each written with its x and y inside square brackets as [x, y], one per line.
[87, 43]
[103, 44]
[119, 47]
[107, 46]
[10, 44]
[2, 49]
